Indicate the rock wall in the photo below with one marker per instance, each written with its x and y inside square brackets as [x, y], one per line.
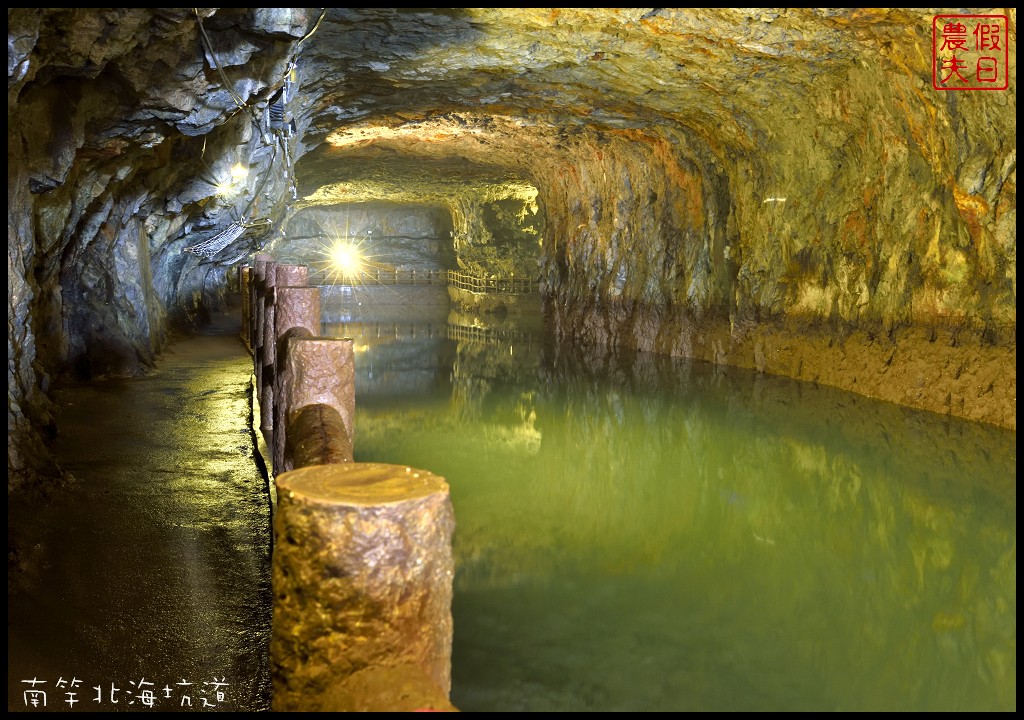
[498, 236]
[120, 129]
[780, 189]
[870, 253]
[389, 236]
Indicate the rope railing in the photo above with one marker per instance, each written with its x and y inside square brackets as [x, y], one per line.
[473, 283]
[453, 278]
[369, 278]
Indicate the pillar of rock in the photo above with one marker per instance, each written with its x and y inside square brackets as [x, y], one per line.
[362, 577]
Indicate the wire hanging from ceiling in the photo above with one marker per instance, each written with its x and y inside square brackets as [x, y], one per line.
[304, 38]
[276, 124]
[242, 105]
[212, 246]
[215, 244]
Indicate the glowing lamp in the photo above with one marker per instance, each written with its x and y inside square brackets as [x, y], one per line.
[238, 173]
[346, 258]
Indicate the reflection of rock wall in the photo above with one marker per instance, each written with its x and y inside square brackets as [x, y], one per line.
[483, 370]
[494, 304]
[861, 513]
[748, 500]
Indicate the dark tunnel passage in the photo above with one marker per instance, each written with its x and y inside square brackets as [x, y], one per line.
[687, 305]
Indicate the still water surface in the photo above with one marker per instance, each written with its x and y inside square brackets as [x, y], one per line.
[637, 533]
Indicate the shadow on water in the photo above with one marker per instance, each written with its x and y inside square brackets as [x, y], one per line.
[636, 532]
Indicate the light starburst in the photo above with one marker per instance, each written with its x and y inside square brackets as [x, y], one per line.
[346, 259]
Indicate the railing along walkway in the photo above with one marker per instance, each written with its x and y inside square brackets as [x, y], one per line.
[511, 285]
[453, 278]
[369, 278]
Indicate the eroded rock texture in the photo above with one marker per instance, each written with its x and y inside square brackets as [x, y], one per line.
[779, 189]
[120, 127]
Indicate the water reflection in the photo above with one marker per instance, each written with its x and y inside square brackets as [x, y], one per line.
[641, 533]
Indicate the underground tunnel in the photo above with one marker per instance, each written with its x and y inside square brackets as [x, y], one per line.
[701, 321]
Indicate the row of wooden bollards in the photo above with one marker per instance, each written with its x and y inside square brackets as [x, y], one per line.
[362, 560]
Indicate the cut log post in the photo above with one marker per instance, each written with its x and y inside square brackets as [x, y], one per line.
[362, 583]
[259, 304]
[297, 315]
[317, 436]
[318, 371]
[245, 275]
[276, 274]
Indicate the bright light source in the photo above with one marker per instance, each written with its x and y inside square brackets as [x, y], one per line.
[346, 258]
[231, 186]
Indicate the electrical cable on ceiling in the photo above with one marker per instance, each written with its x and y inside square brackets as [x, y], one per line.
[289, 169]
[306, 37]
[214, 245]
[282, 128]
[223, 76]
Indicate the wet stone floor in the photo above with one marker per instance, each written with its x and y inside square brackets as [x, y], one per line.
[144, 583]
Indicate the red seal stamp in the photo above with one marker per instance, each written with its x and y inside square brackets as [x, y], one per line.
[970, 52]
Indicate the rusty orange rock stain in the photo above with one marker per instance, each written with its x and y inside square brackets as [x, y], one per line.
[691, 185]
[969, 204]
[1007, 201]
[857, 226]
[870, 191]
[972, 208]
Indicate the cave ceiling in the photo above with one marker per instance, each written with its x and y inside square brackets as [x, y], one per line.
[424, 95]
[402, 99]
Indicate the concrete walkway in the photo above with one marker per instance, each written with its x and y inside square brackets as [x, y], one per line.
[145, 584]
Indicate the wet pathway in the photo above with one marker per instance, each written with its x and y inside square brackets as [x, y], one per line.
[149, 576]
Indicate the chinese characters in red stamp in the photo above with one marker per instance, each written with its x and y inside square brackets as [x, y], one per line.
[970, 52]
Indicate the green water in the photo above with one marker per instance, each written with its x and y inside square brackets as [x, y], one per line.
[641, 534]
